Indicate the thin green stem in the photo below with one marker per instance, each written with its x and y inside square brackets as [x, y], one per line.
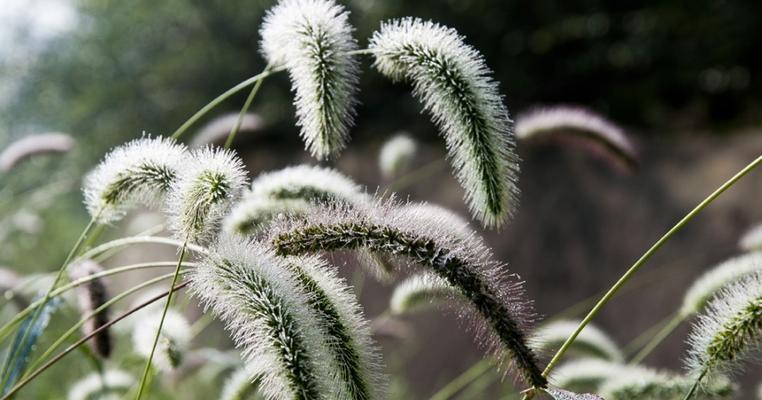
[695, 386]
[79, 343]
[147, 368]
[219, 99]
[14, 353]
[670, 326]
[93, 313]
[645, 257]
[463, 380]
[128, 241]
[245, 108]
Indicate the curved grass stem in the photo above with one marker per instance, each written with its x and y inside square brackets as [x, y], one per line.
[147, 368]
[642, 260]
[79, 343]
[14, 353]
[219, 99]
[245, 108]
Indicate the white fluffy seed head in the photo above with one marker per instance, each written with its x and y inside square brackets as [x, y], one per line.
[729, 330]
[30, 146]
[290, 191]
[396, 155]
[138, 172]
[591, 342]
[578, 125]
[634, 382]
[112, 384]
[712, 281]
[257, 297]
[586, 374]
[173, 342]
[420, 292]
[218, 129]
[453, 82]
[313, 40]
[752, 240]
[207, 187]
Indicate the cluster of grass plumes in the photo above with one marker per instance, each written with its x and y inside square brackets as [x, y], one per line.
[293, 319]
[502, 314]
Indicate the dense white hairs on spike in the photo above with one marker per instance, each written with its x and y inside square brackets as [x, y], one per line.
[396, 155]
[752, 240]
[33, 145]
[421, 291]
[453, 82]
[644, 383]
[138, 172]
[591, 342]
[501, 314]
[218, 129]
[586, 374]
[91, 296]
[111, 384]
[288, 191]
[341, 318]
[173, 342]
[712, 281]
[207, 187]
[313, 40]
[729, 329]
[577, 123]
[242, 384]
[268, 316]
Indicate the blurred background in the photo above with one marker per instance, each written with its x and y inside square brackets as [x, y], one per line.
[683, 78]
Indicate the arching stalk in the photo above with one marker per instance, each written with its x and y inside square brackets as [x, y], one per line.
[244, 109]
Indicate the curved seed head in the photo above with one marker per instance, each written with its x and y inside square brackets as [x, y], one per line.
[396, 155]
[91, 296]
[591, 341]
[173, 341]
[313, 40]
[577, 125]
[33, 145]
[717, 278]
[729, 329]
[456, 88]
[204, 193]
[500, 315]
[139, 172]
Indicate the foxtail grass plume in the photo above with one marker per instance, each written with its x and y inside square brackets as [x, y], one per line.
[591, 342]
[138, 172]
[578, 125]
[501, 315]
[204, 193]
[218, 129]
[269, 317]
[288, 191]
[455, 86]
[242, 384]
[420, 292]
[111, 384]
[341, 319]
[752, 240]
[33, 145]
[711, 282]
[644, 383]
[396, 155]
[91, 296]
[313, 40]
[728, 331]
[173, 342]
